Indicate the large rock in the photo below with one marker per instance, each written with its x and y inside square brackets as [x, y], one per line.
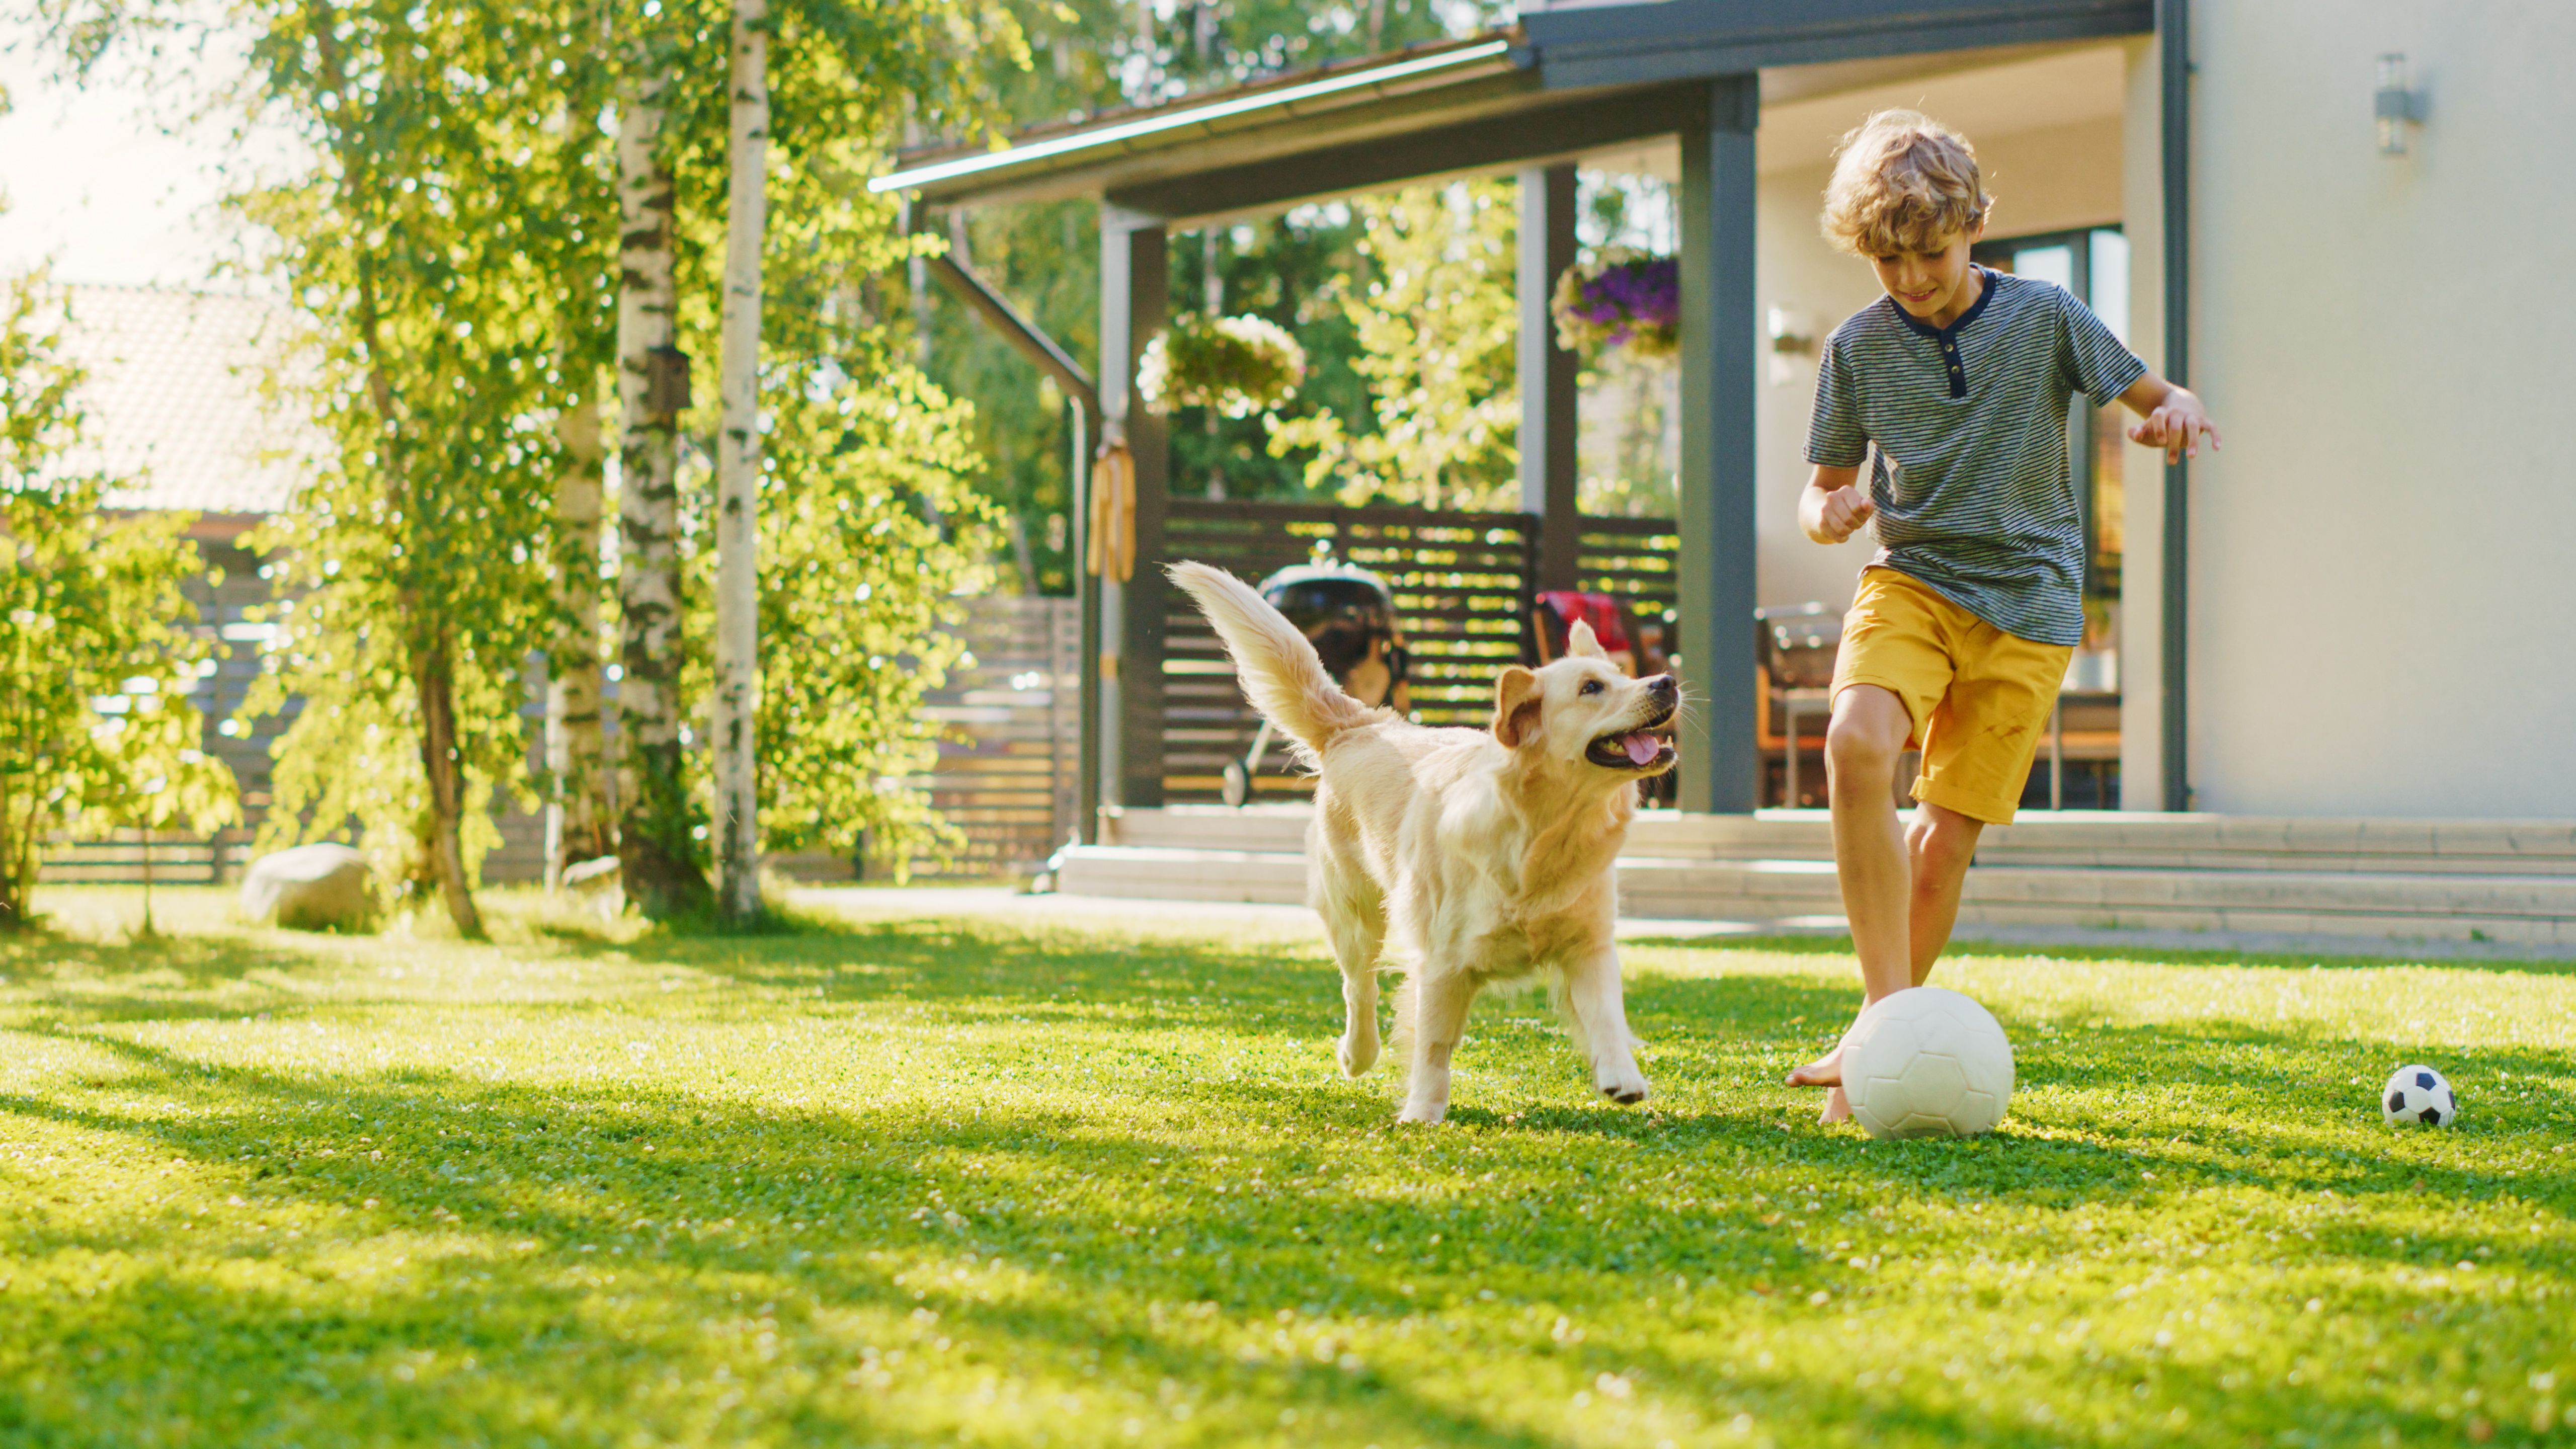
[311, 887]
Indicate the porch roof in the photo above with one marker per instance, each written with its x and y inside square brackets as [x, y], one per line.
[1558, 84]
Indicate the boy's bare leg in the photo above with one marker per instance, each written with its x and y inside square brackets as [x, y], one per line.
[1862, 747]
[1938, 847]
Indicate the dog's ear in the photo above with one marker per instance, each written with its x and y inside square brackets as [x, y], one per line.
[1579, 640]
[1516, 703]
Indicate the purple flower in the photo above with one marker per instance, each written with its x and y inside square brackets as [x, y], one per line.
[1622, 299]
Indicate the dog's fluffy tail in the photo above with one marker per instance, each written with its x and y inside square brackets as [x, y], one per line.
[1279, 669]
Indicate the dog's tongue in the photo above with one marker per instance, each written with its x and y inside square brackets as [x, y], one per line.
[1642, 748]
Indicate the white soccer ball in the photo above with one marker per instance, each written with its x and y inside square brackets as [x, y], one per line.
[2418, 1097]
[1927, 1062]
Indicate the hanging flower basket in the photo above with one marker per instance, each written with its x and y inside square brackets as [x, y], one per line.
[1620, 298]
[1236, 365]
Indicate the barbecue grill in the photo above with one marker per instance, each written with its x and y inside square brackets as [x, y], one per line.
[1348, 614]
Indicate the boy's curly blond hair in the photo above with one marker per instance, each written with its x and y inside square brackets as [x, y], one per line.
[1903, 182]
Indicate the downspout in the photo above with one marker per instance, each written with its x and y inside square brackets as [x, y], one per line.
[1032, 342]
[2173, 36]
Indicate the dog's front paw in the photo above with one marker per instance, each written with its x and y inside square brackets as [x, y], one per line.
[1625, 1087]
[1356, 1053]
[1428, 1114]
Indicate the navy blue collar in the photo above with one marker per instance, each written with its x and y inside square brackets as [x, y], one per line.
[1985, 294]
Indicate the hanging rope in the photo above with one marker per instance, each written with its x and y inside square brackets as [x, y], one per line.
[1113, 512]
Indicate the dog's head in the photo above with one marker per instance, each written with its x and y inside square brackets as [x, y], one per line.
[1581, 714]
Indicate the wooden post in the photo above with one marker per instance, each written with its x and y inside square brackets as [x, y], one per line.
[1720, 753]
[1547, 377]
[1135, 295]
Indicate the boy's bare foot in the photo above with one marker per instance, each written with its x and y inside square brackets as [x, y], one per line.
[1824, 1071]
[1837, 1107]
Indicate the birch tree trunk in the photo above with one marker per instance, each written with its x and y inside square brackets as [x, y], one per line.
[737, 642]
[656, 863]
[577, 814]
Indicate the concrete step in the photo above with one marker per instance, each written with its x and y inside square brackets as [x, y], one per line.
[2071, 838]
[2524, 909]
[1159, 873]
[2521, 909]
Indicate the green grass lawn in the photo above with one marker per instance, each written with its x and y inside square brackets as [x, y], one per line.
[956, 1183]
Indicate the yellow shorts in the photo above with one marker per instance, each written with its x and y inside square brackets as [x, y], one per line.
[1979, 698]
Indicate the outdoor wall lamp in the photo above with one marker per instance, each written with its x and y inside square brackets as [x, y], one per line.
[2396, 106]
[1792, 333]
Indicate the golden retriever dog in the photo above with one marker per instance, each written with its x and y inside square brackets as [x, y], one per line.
[1463, 857]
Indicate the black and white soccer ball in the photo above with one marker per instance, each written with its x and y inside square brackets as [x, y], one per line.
[2418, 1097]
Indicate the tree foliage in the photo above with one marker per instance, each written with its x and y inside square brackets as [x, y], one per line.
[452, 255]
[1434, 316]
[871, 523]
[446, 326]
[1092, 55]
[96, 661]
[889, 473]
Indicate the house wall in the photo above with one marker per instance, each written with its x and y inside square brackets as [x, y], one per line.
[2045, 179]
[2383, 610]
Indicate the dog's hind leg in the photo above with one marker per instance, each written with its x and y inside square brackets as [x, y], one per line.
[1358, 931]
[1594, 1001]
[1356, 924]
[1436, 1019]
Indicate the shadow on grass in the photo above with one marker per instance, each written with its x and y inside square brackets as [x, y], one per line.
[810, 1211]
[593, 1247]
[192, 961]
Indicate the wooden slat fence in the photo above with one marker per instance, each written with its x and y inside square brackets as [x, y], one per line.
[1005, 779]
[1462, 585]
[1638, 559]
[1009, 711]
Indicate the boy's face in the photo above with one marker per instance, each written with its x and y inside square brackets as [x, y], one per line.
[1931, 285]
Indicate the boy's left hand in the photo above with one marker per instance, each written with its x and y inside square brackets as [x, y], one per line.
[2176, 423]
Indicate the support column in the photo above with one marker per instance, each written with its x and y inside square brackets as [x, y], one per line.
[1547, 377]
[2173, 36]
[1720, 750]
[1135, 296]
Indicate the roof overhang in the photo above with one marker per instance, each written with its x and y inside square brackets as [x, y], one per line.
[1666, 40]
[1561, 83]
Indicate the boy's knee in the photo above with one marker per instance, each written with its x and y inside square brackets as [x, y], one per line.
[1859, 753]
[1940, 843]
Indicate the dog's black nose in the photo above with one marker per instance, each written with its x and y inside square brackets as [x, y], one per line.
[1663, 687]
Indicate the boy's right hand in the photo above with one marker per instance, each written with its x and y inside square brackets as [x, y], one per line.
[1846, 509]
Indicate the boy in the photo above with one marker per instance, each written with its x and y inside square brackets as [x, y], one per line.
[1954, 389]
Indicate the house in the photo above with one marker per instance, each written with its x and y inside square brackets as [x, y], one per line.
[176, 395]
[2331, 662]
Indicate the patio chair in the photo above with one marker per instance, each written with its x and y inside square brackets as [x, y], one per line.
[1797, 645]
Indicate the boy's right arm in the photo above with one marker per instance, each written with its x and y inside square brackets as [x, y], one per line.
[1833, 507]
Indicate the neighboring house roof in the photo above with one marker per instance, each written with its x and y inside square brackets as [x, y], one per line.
[177, 414]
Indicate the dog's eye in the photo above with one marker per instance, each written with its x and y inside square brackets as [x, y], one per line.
[1590, 686]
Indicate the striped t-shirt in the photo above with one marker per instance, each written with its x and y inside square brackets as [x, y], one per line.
[1968, 427]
